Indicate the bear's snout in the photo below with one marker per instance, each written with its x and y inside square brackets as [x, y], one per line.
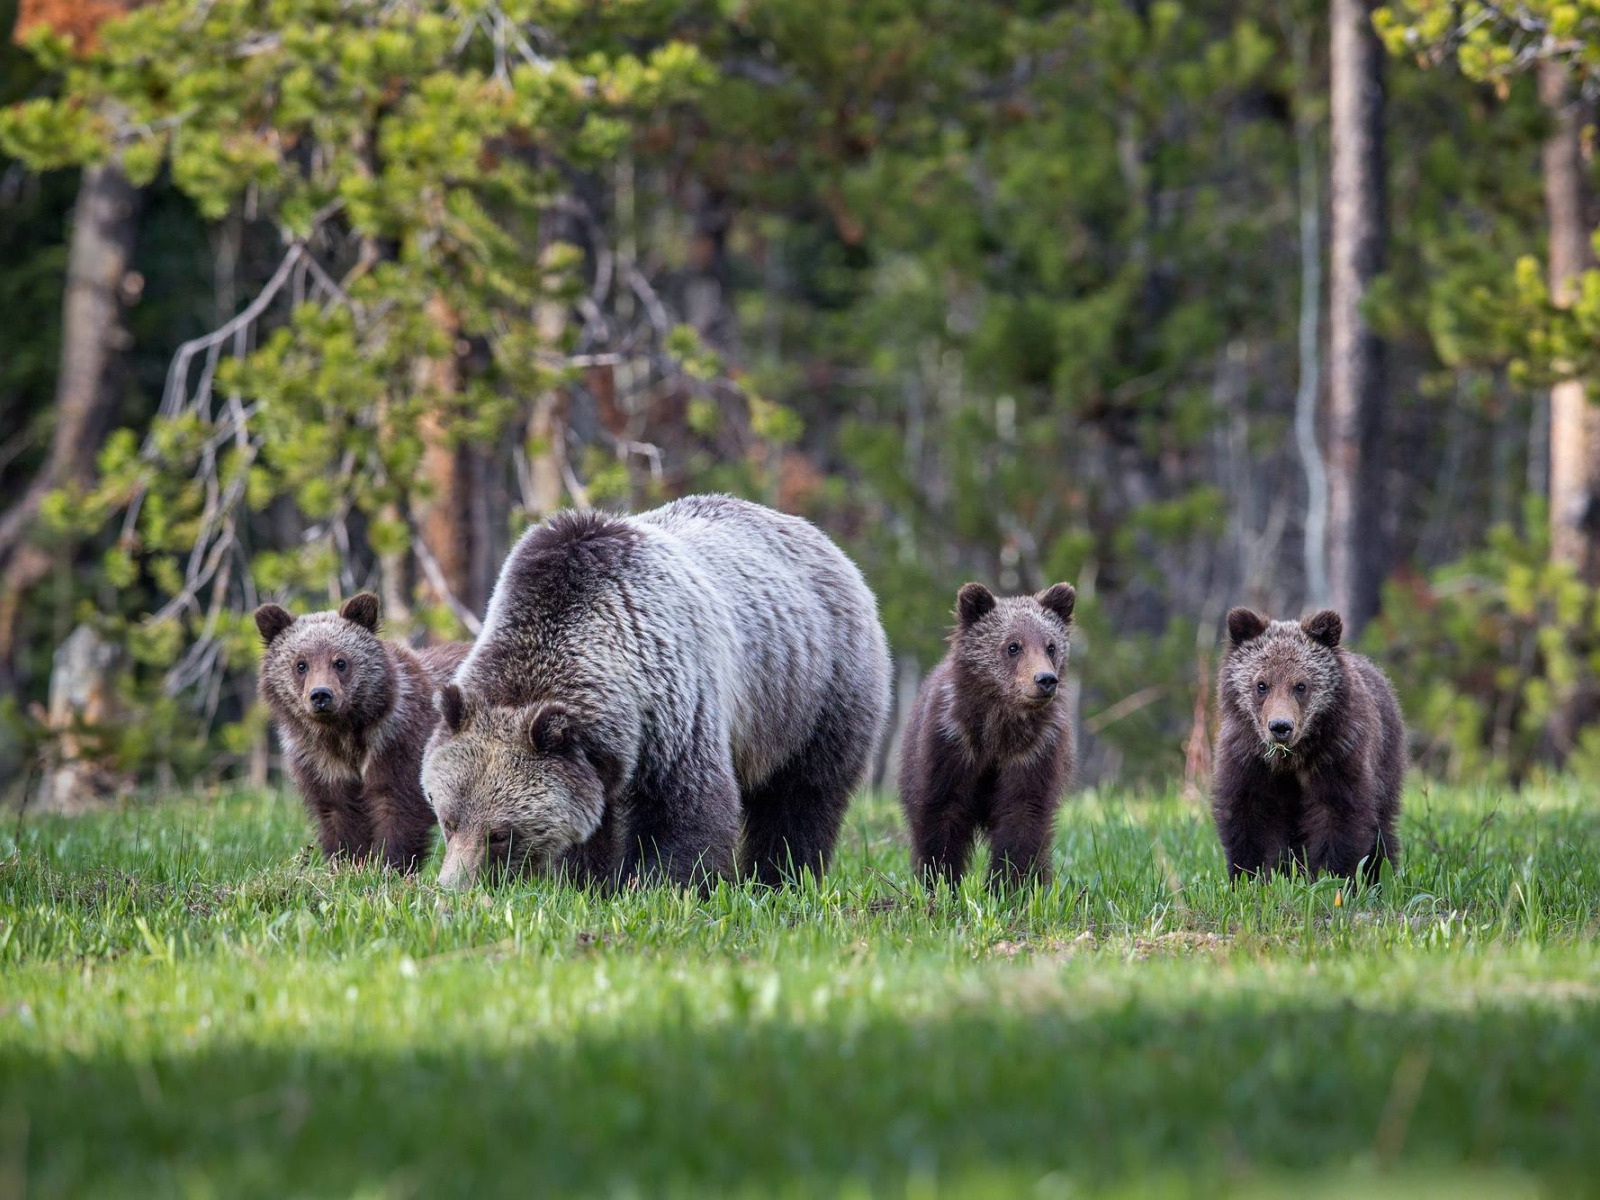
[1281, 729]
[1046, 682]
[463, 856]
[321, 699]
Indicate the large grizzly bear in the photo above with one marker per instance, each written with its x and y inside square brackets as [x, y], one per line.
[988, 745]
[1310, 750]
[652, 694]
[353, 714]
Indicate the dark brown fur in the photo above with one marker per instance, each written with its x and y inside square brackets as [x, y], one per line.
[1322, 791]
[358, 761]
[988, 746]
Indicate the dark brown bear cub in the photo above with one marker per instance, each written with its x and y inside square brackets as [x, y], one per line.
[354, 713]
[1310, 750]
[988, 746]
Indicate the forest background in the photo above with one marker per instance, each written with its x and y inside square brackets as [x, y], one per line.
[1191, 304]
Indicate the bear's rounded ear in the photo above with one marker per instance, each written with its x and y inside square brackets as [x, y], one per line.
[1059, 599]
[452, 705]
[1245, 625]
[1324, 628]
[362, 608]
[271, 621]
[973, 603]
[550, 728]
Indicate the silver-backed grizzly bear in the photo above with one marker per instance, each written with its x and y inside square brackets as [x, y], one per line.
[1310, 750]
[648, 688]
[988, 745]
[353, 714]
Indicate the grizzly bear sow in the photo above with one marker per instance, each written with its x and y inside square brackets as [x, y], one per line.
[1310, 752]
[353, 713]
[988, 745]
[652, 694]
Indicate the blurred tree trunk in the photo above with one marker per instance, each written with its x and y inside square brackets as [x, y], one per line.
[1314, 544]
[542, 473]
[105, 224]
[89, 385]
[1574, 434]
[1574, 424]
[444, 519]
[1356, 554]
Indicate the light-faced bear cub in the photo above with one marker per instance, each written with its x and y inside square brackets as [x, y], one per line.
[988, 746]
[353, 713]
[1310, 750]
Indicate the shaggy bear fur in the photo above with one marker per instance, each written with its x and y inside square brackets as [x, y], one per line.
[988, 745]
[1310, 751]
[353, 713]
[662, 695]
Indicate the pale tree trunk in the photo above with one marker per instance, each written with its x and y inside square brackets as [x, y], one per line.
[542, 461]
[1315, 541]
[89, 386]
[1574, 434]
[83, 699]
[1356, 553]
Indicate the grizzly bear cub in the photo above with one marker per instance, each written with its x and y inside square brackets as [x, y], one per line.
[1310, 751]
[353, 713]
[988, 745]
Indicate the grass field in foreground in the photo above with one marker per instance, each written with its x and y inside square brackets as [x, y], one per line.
[192, 1004]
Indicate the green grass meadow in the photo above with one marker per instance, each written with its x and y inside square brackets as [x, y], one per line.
[191, 1004]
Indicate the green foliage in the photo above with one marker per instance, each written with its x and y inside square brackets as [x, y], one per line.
[403, 158]
[986, 282]
[1512, 317]
[1486, 651]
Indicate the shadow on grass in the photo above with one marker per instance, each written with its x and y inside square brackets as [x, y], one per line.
[1201, 1097]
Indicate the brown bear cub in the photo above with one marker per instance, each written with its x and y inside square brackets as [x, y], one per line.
[353, 713]
[1310, 751]
[988, 745]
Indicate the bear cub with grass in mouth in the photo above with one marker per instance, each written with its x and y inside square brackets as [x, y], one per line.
[1310, 751]
[988, 746]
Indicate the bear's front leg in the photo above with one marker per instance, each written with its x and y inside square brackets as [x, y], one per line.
[1251, 818]
[1022, 821]
[593, 863]
[1338, 827]
[402, 819]
[683, 822]
[402, 828]
[941, 809]
[344, 828]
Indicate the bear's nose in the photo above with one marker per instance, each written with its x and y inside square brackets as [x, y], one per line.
[1045, 681]
[1280, 729]
[321, 699]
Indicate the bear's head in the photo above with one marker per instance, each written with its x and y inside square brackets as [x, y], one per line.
[326, 670]
[1013, 650]
[512, 787]
[1282, 676]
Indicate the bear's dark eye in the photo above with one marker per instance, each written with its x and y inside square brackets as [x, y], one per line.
[449, 828]
[1261, 689]
[1013, 649]
[1051, 649]
[1299, 689]
[339, 664]
[300, 666]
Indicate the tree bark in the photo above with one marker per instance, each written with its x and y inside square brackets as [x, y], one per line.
[1574, 435]
[1356, 551]
[444, 519]
[89, 385]
[1314, 549]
